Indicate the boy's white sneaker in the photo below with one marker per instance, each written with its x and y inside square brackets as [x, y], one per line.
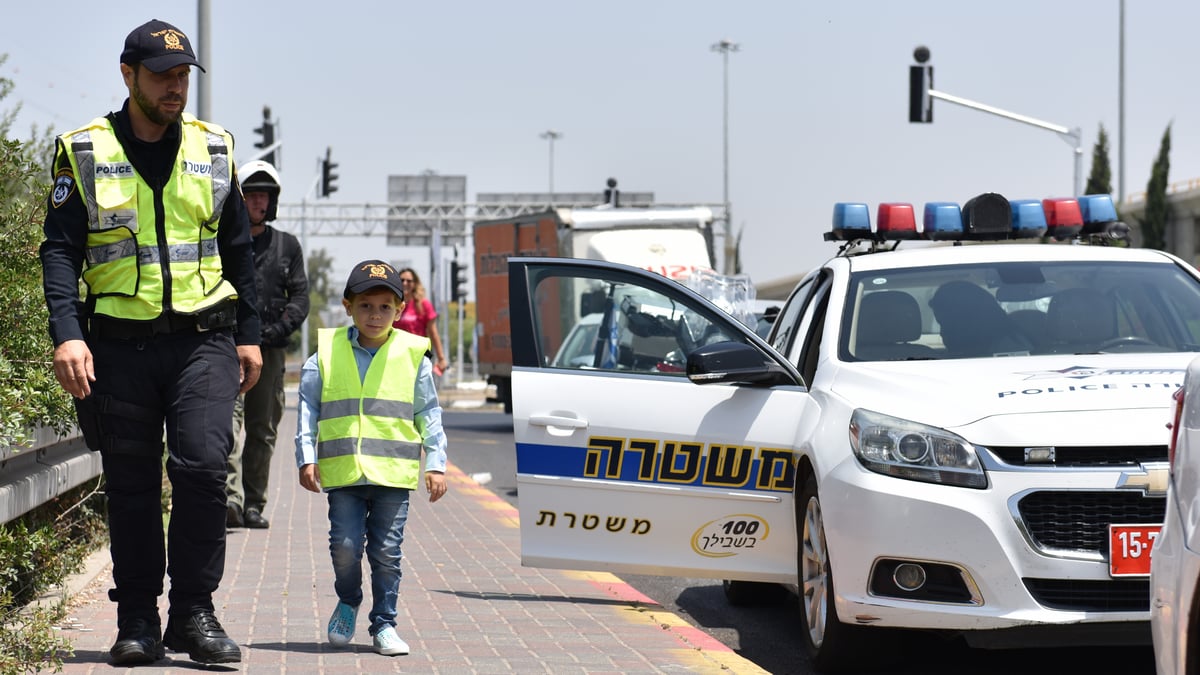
[341, 624]
[388, 643]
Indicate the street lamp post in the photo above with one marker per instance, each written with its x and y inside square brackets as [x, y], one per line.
[551, 135]
[724, 47]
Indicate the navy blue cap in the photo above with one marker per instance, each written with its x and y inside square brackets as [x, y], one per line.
[159, 47]
[370, 274]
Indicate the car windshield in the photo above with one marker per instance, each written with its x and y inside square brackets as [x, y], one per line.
[1020, 308]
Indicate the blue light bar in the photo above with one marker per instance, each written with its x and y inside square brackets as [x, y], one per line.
[1100, 217]
[851, 220]
[1097, 208]
[1028, 218]
[942, 220]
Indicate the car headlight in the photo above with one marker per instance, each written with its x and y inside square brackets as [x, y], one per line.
[906, 449]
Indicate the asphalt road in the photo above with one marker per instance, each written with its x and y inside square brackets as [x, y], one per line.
[481, 444]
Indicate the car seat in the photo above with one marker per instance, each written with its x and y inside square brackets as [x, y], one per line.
[1080, 320]
[888, 323]
[973, 324]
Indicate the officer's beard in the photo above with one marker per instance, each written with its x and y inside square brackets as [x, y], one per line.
[151, 111]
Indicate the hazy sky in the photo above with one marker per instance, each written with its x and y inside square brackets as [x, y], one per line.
[818, 96]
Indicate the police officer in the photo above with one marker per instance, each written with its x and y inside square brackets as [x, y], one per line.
[282, 306]
[144, 206]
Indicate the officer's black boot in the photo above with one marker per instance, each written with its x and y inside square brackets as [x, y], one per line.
[138, 641]
[201, 637]
[233, 516]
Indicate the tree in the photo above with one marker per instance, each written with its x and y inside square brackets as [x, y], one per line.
[1154, 222]
[37, 150]
[1100, 180]
[319, 266]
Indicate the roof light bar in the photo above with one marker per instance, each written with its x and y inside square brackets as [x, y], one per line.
[989, 216]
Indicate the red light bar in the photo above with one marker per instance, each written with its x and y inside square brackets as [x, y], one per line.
[1063, 217]
[895, 220]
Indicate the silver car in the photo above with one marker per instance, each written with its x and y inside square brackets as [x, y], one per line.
[1175, 567]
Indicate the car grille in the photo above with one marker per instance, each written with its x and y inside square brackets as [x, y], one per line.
[1089, 456]
[1118, 595]
[1079, 521]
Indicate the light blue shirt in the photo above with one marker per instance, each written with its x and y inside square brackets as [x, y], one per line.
[427, 412]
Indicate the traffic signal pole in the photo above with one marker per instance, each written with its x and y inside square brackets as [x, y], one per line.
[458, 294]
[922, 111]
[458, 369]
[1074, 137]
[312, 188]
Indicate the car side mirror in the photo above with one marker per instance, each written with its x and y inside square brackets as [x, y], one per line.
[734, 362]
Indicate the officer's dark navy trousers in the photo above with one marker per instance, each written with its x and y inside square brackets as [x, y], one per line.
[188, 381]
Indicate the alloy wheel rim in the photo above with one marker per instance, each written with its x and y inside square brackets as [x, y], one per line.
[813, 578]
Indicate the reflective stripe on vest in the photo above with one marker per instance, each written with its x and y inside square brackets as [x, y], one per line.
[366, 430]
[127, 264]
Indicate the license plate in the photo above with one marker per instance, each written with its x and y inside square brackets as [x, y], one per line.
[1129, 549]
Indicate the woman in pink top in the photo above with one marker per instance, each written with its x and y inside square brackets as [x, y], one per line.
[419, 317]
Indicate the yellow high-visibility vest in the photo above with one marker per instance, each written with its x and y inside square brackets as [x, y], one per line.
[127, 265]
[366, 427]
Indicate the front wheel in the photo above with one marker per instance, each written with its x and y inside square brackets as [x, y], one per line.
[833, 646]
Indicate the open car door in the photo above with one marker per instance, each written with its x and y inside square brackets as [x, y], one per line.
[665, 444]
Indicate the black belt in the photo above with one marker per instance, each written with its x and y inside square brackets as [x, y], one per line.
[166, 323]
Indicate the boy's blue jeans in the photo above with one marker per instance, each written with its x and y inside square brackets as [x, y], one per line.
[373, 515]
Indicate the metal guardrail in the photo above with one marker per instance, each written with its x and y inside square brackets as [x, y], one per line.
[1175, 187]
[46, 468]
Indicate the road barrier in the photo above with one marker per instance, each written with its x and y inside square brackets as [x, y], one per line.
[48, 466]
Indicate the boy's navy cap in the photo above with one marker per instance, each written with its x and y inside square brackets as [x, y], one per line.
[158, 46]
[370, 274]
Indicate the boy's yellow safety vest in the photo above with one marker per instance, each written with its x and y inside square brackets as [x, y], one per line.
[127, 265]
[365, 429]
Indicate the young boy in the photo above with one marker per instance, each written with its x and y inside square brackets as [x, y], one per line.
[368, 408]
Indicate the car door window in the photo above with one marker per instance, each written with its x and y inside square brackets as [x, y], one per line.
[788, 321]
[606, 322]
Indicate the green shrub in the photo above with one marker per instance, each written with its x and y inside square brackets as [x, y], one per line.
[30, 395]
[38, 551]
[41, 548]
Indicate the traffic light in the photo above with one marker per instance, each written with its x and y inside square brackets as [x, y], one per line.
[920, 81]
[612, 196]
[267, 131]
[327, 174]
[458, 281]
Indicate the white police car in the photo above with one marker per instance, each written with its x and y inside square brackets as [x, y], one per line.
[965, 438]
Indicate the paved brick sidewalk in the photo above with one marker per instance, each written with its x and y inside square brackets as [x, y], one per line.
[466, 603]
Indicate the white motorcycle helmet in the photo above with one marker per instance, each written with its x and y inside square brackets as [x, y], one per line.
[259, 176]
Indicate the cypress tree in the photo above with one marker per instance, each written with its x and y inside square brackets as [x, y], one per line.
[1154, 222]
[1100, 180]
